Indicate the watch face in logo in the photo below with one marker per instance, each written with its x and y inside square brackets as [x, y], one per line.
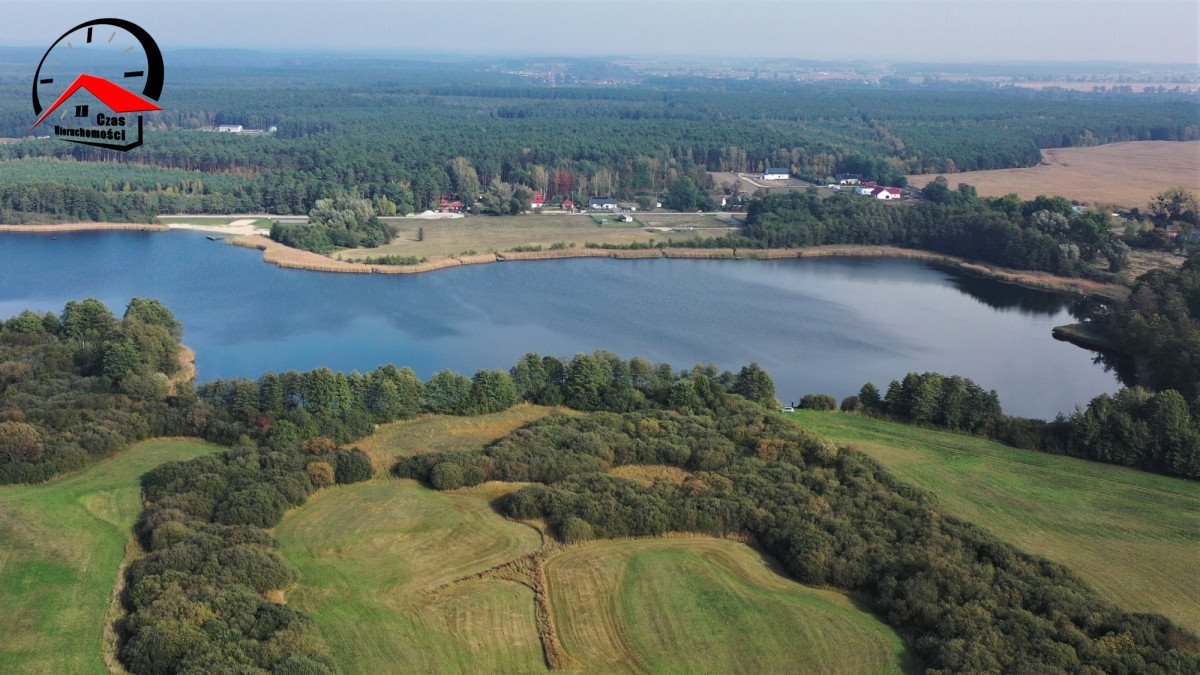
[93, 80]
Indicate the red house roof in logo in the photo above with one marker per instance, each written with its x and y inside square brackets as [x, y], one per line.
[120, 100]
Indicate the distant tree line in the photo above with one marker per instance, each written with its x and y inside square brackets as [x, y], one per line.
[1040, 234]
[83, 384]
[965, 601]
[492, 140]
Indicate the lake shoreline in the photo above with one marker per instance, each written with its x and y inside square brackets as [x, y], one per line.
[292, 258]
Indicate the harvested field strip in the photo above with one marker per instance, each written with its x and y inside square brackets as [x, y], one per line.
[371, 557]
[445, 433]
[1128, 174]
[699, 604]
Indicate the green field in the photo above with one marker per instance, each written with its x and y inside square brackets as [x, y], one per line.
[706, 605]
[1135, 536]
[370, 557]
[449, 237]
[61, 543]
[444, 433]
[382, 567]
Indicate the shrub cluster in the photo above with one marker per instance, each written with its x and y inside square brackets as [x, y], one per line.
[195, 601]
[85, 384]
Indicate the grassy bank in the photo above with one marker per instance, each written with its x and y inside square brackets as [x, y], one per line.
[52, 228]
[61, 543]
[1082, 335]
[1133, 535]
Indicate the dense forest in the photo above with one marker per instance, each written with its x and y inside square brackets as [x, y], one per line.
[83, 384]
[1159, 325]
[412, 132]
[1039, 234]
[966, 601]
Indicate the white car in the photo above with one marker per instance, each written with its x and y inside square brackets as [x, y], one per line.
[787, 409]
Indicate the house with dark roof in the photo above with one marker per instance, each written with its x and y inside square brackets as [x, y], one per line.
[848, 178]
[607, 203]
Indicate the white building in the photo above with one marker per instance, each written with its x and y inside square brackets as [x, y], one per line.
[887, 193]
[230, 128]
[777, 173]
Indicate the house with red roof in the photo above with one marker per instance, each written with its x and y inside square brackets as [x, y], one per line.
[445, 204]
[887, 193]
[537, 201]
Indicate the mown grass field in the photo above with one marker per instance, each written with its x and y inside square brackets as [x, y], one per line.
[706, 605]
[445, 433]
[455, 236]
[370, 557]
[61, 543]
[1135, 536]
[382, 565]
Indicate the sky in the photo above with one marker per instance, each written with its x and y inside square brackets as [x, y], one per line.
[1149, 31]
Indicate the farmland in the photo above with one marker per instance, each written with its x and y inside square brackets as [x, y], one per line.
[1133, 535]
[706, 605]
[408, 561]
[1124, 174]
[373, 554]
[434, 433]
[484, 233]
[62, 543]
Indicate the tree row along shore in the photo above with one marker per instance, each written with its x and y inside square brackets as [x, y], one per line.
[292, 258]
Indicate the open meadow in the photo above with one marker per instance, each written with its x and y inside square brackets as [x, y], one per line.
[397, 575]
[61, 544]
[1135, 536]
[1123, 174]
[481, 234]
[699, 604]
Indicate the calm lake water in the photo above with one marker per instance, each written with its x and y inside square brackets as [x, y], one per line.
[816, 325]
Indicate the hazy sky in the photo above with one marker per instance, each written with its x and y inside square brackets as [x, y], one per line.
[942, 30]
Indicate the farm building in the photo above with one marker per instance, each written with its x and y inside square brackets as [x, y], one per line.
[848, 178]
[445, 204]
[230, 128]
[607, 203]
[886, 193]
[777, 173]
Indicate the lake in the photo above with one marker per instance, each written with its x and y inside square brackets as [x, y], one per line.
[825, 325]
